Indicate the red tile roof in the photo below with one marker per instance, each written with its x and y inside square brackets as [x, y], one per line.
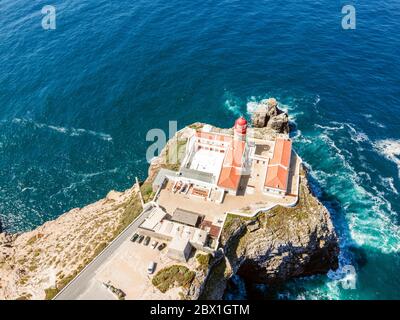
[229, 178]
[234, 154]
[282, 152]
[276, 178]
[230, 175]
[278, 168]
[214, 231]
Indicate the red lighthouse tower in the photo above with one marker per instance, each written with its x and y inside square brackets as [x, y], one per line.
[240, 129]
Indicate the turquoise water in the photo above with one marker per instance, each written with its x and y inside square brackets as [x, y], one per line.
[77, 102]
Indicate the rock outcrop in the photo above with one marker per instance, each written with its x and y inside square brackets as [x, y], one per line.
[275, 246]
[268, 115]
[278, 245]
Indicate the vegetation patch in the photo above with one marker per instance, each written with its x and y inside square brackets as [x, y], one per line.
[203, 261]
[279, 217]
[196, 126]
[50, 293]
[147, 191]
[231, 225]
[34, 238]
[173, 276]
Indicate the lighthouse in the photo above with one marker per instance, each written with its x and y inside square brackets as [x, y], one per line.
[240, 129]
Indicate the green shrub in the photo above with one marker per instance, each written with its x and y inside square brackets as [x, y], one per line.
[147, 191]
[50, 293]
[173, 276]
[203, 261]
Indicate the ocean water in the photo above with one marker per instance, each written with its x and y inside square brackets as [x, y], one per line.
[77, 102]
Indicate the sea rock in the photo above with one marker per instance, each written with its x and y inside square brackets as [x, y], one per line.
[279, 123]
[259, 117]
[267, 114]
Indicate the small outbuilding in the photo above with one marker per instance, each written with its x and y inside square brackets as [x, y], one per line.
[161, 177]
[186, 217]
[179, 249]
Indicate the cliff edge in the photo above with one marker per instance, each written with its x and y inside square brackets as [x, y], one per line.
[277, 245]
[272, 247]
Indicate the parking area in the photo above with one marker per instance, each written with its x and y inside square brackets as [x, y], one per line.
[126, 270]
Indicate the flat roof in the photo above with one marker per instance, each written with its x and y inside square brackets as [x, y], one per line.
[178, 244]
[197, 175]
[207, 161]
[261, 148]
[186, 217]
[213, 136]
[176, 230]
[162, 174]
[155, 216]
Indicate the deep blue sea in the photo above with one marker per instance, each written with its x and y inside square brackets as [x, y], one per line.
[77, 102]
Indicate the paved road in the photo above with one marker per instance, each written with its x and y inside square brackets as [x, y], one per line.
[83, 281]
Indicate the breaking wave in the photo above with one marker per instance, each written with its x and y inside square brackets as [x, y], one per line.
[390, 149]
[369, 214]
[72, 132]
[232, 104]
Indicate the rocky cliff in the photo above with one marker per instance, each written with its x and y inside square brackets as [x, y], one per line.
[274, 246]
[277, 245]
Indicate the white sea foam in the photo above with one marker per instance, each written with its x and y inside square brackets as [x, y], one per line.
[73, 132]
[373, 225]
[94, 174]
[28, 188]
[251, 106]
[232, 104]
[58, 129]
[83, 177]
[317, 100]
[369, 118]
[357, 135]
[330, 128]
[297, 135]
[232, 107]
[389, 181]
[369, 219]
[390, 149]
